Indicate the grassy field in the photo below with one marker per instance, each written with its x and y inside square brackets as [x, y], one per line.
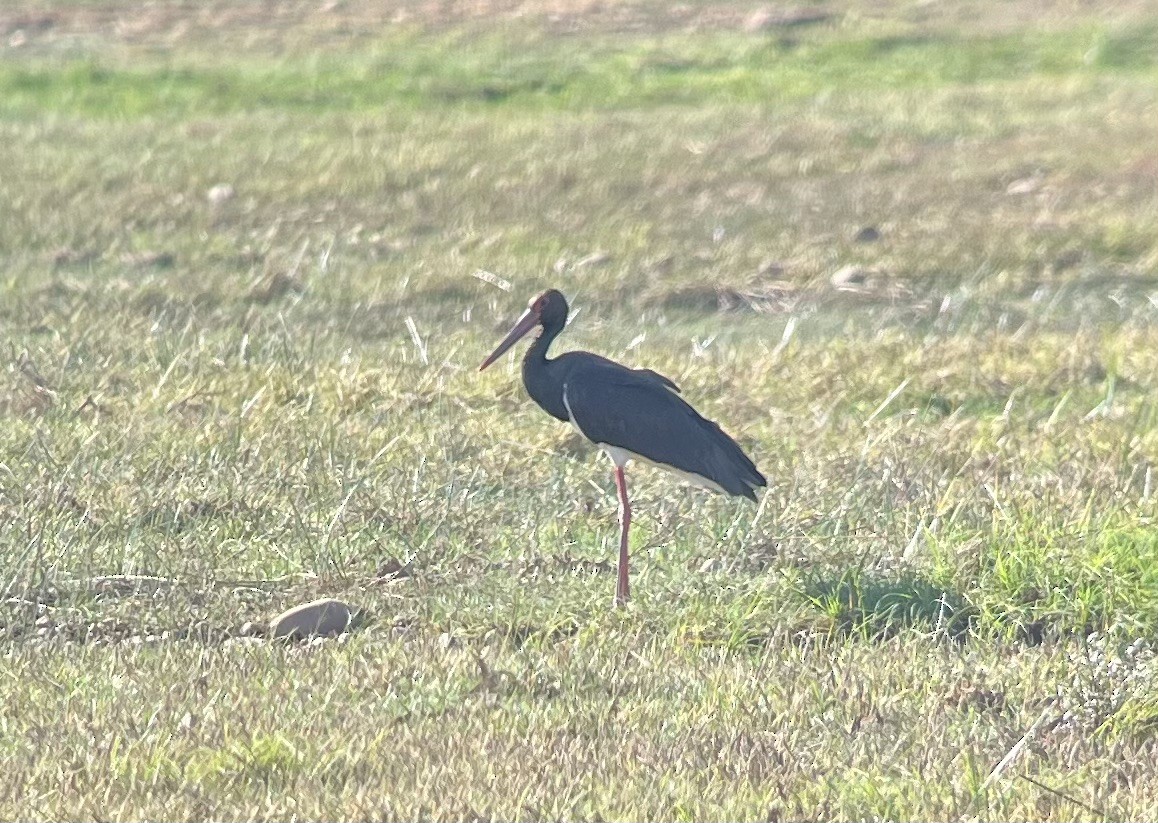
[252, 252]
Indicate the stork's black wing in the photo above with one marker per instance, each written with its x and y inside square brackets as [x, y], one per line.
[638, 410]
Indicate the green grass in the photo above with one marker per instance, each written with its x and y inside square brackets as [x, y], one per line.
[526, 68]
[214, 410]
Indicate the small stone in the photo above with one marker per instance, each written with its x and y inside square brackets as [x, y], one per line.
[849, 277]
[598, 258]
[765, 19]
[1026, 185]
[149, 259]
[391, 569]
[770, 268]
[712, 564]
[220, 193]
[869, 234]
[326, 617]
[275, 287]
[759, 20]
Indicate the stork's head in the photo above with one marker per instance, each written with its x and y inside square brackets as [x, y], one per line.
[548, 310]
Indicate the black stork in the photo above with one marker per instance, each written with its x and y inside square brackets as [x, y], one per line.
[628, 413]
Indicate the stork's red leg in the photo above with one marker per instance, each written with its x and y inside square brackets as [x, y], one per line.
[622, 588]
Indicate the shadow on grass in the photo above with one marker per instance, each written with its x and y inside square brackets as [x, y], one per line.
[853, 604]
[857, 603]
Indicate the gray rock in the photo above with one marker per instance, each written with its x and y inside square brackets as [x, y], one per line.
[319, 618]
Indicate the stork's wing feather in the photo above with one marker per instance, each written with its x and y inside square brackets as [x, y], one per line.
[654, 375]
[633, 410]
[586, 360]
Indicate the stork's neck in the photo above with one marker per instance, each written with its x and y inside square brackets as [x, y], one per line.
[544, 378]
[537, 351]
